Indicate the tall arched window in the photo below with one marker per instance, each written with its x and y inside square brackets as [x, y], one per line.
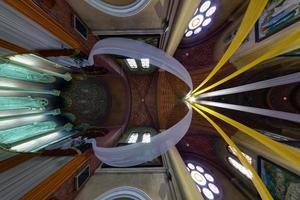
[205, 181]
[233, 152]
[146, 138]
[140, 134]
[239, 167]
[133, 138]
[236, 163]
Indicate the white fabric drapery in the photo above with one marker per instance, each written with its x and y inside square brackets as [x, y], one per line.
[139, 153]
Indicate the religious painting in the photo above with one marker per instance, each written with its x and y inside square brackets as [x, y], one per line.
[282, 184]
[277, 15]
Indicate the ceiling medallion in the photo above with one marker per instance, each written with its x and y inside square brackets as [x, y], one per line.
[119, 10]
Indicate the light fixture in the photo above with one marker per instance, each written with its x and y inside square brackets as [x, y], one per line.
[131, 62]
[192, 99]
[145, 63]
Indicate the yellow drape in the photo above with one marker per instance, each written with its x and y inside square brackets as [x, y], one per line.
[291, 42]
[260, 186]
[254, 10]
[282, 150]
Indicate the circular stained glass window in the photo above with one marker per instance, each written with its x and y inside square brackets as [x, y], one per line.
[201, 19]
[207, 193]
[206, 22]
[213, 188]
[198, 188]
[197, 30]
[198, 178]
[196, 22]
[191, 166]
[200, 169]
[209, 177]
[204, 7]
[189, 33]
[204, 181]
[211, 11]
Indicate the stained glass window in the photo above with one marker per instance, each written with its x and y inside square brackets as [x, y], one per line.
[240, 167]
[146, 138]
[204, 180]
[133, 138]
[237, 165]
[233, 151]
[201, 19]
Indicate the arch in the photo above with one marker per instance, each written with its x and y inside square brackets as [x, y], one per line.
[124, 192]
[119, 11]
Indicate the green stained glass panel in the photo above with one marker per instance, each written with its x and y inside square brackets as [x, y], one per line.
[12, 71]
[20, 133]
[14, 103]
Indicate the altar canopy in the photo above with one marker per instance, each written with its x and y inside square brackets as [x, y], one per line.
[139, 153]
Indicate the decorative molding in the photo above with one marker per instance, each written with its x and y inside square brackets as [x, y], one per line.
[12, 47]
[15, 160]
[51, 184]
[35, 13]
[119, 11]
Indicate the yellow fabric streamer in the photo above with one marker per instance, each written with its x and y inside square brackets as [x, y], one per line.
[254, 10]
[290, 43]
[286, 153]
[256, 180]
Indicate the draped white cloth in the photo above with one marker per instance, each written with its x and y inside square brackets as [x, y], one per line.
[139, 153]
